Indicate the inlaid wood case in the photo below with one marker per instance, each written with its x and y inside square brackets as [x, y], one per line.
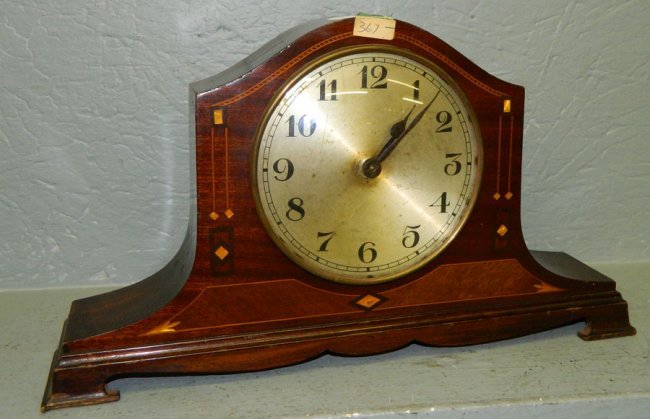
[273, 271]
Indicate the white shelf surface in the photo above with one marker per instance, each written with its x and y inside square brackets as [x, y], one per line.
[550, 374]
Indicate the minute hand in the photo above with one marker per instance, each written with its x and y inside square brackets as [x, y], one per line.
[393, 142]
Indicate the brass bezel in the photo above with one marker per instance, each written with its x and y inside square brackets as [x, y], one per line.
[294, 79]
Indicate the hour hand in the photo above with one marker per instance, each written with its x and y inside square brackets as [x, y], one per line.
[371, 168]
[398, 127]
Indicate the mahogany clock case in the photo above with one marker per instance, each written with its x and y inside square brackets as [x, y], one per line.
[231, 301]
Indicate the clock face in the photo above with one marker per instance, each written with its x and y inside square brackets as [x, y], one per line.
[366, 165]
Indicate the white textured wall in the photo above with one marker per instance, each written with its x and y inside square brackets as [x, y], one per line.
[94, 120]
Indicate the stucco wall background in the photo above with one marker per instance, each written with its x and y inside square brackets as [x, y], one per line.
[94, 120]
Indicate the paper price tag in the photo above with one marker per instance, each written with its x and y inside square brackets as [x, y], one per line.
[374, 27]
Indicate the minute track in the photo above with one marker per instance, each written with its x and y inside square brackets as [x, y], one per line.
[336, 194]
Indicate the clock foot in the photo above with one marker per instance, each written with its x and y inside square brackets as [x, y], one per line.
[80, 390]
[610, 322]
[606, 319]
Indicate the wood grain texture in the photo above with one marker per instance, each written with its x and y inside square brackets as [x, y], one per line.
[233, 302]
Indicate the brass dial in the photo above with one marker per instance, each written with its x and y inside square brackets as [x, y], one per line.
[366, 165]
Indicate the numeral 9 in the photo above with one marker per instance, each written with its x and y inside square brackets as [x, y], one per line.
[283, 167]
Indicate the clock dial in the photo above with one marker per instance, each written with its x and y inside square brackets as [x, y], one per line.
[366, 165]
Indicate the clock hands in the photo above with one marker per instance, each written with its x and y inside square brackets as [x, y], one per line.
[371, 168]
[399, 127]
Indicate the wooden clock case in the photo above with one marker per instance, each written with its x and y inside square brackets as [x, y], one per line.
[230, 301]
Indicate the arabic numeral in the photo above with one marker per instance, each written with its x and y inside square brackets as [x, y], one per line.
[322, 86]
[367, 252]
[284, 168]
[411, 237]
[306, 126]
[444, 119]
[327, 236]
[441, 203]
[378, 72]
[295, 212]
[454, 166]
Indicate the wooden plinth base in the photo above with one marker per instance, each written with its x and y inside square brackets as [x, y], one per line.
[79, 378]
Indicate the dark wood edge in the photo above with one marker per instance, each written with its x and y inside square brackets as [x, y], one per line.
[252, 352]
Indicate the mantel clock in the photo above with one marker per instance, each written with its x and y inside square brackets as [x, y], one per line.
[357, 189]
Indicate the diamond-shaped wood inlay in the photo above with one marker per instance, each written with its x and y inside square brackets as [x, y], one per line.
[369, 301]
[221, 252]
